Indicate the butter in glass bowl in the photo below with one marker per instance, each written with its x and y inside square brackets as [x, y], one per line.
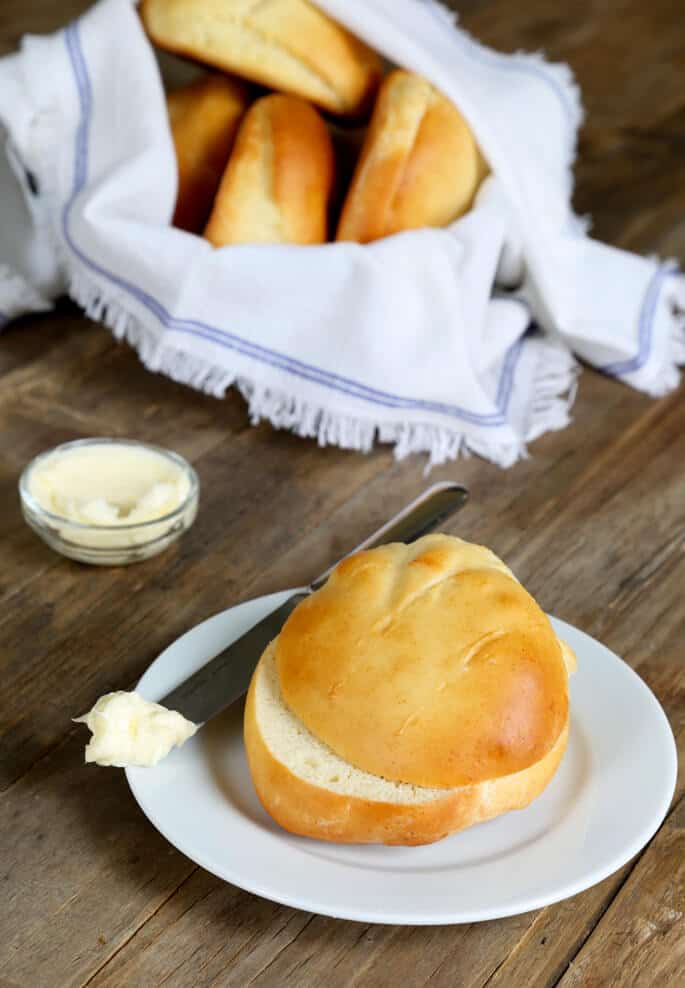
[109, 501]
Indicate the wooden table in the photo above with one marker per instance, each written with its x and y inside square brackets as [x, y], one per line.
[593, 523]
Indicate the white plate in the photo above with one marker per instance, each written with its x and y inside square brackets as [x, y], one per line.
[607, 799]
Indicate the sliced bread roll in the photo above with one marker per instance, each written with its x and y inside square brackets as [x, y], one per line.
[426, 663]
[204, 118]
[419, 165]
[420, 691]
[278, 181]
[309, 790]
[289, 45]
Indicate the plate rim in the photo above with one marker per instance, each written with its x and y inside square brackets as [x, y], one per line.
[307, 903]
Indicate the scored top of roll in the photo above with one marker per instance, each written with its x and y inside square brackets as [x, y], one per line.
[428, 664]
[278, 180]
[288, 45]
[419, 164]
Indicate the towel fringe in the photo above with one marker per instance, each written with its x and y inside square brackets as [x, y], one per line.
[555, 384]
[670, 307]
[283, 410]
[347, 432]
[154, 354]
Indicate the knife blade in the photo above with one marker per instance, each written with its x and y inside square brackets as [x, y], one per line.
[226, 677]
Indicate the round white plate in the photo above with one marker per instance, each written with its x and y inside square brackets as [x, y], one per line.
[608, 798]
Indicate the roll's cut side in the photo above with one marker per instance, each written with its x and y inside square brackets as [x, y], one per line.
[278, 181]
[287, 45]
[311, 791]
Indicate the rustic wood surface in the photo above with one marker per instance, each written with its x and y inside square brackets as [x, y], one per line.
[593, 523]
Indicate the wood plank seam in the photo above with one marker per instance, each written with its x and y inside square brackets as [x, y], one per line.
[437, 970]
[645, 573]
[137, 929]
[531, 934]
[246, 948]
[675, 808]
[280, 950]
[359, 939]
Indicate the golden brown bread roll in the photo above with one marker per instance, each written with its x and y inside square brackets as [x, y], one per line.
[278, 180]
[419, 165]
[309, 791]
[288, 45]
[422, 690]
[438, 647]
[204, 118]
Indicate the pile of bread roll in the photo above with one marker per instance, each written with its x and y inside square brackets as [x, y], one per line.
[269, 167]
[420, 691]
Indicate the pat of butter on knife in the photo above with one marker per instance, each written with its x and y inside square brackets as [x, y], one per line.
[129, 730]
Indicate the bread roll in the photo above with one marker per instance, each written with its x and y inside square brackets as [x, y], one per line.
[426, 664]
[278, 180]
[288, 45]
[311, 791]
[419, 166]
[204, 118]
[420, 691]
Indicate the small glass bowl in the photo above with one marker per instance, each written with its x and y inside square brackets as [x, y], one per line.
[109, 545]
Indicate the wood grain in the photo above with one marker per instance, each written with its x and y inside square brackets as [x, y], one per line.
[640, 940]
[593, 523]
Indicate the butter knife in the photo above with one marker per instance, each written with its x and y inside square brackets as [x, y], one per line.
[226, 677]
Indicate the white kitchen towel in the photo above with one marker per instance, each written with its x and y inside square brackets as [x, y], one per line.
[438, 341]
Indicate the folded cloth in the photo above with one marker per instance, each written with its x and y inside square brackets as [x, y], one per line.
[438, 341]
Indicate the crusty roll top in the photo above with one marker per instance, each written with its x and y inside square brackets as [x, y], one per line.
[288, 45]
[419, 165]
[426, 664]
[278, 181]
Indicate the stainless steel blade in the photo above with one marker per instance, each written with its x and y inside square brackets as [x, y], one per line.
[218, 683]
[226, 677]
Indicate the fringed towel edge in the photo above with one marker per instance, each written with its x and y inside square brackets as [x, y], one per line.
[553, 389]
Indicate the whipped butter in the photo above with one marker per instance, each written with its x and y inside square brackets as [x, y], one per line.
[109, 501]
[129, 730]
[108, 483]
